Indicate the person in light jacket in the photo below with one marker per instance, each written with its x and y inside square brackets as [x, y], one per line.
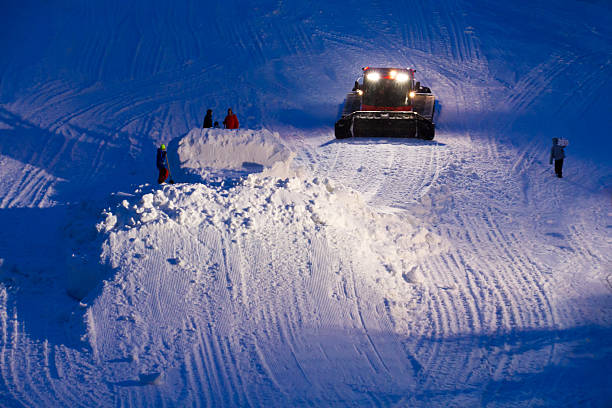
[557, 153]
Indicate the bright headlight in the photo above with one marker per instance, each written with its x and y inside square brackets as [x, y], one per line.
[373, 76]
[412, 94]
[401, 77]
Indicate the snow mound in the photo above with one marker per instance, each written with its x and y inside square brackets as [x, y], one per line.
[205, 151]
[298, 203]
[217, 258]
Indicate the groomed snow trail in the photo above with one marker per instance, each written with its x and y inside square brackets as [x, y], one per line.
[456, 272]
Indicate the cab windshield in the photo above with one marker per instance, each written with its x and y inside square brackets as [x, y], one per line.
[385, 91]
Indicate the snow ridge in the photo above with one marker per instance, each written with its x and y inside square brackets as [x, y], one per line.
[203, 152]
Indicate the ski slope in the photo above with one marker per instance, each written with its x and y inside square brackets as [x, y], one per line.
[287, 268]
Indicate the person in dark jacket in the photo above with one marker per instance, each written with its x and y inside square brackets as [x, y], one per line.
[231, 120]
[162, 164]
[558, 154]
[208, 122]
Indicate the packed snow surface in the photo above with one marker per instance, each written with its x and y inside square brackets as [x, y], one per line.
[284, 267]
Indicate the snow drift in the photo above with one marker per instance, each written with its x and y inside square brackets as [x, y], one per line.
[207, 152]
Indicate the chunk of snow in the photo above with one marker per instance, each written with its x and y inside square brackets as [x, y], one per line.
[147, 201]
[150, 378]
[108, 223]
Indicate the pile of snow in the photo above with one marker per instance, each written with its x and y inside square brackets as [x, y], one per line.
[305, 205]
[205, 151]
[205, 250]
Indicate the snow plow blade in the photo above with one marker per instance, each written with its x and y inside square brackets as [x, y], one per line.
[384, 124]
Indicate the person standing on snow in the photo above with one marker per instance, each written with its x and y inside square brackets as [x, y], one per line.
[162, 164]
[231, 120]
[558, 154]
[208, 122]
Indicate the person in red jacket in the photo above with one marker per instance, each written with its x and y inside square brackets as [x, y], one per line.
[231, 120]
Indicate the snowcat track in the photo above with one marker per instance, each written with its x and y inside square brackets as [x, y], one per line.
[384, 124]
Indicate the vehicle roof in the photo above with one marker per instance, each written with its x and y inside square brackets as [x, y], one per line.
[387, 69]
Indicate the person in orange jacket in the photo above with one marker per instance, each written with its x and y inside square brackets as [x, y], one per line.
[231, 120]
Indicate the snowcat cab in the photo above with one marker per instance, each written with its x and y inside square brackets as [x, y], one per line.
[387, 103]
